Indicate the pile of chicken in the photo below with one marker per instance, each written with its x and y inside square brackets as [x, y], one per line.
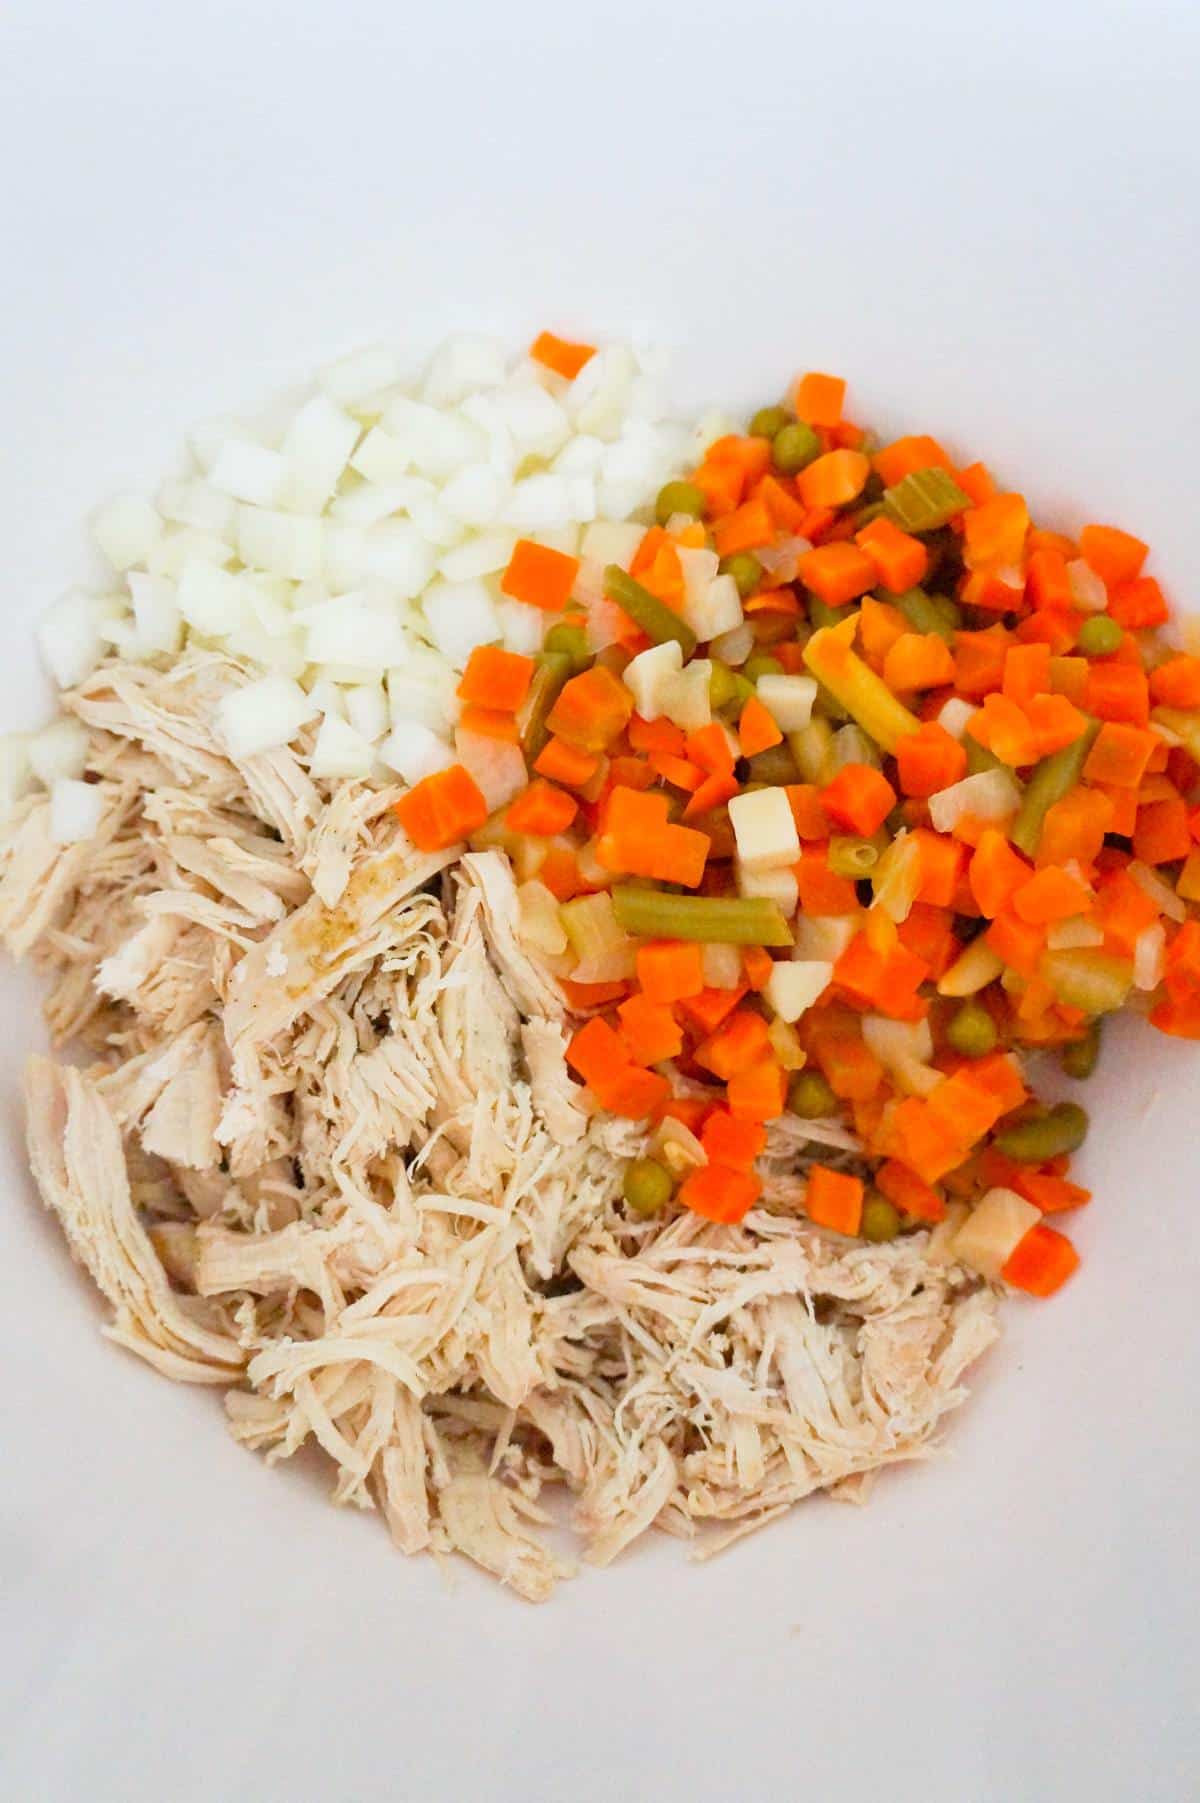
[319, 1146]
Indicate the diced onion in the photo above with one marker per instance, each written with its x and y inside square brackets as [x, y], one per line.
[76, 810]
[262, 715]
[340, 751]
[988, 795]
[414, 751]
[59, 750]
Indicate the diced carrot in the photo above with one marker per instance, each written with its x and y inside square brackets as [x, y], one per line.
[834, 1199]
[929, 759]
[941, 862]
[638, 840]
[496, 679]
[676, 771]
[541, 811]
[1026, 672]
[693, 1111]
[442, 809]
[720, 1193]
[886, 981]
[568, 764]
[979, 659]
[1016, 943]
[819, 399]
[629, 773]
[757, 965]
[713, 792]
[669, 970]
[804, 799]
[597, 1054]
[1124, 808]
[1177, 683]
[757, 1092]
[976, 480]
[583, 996]
[994, 532]
[1115, 556]
[1051, 894]
[997, 872]
[1120, 755]
[900, 559]
[834, 480]
[850, 1067]
[757, 730]
[929, 934]
[847, 437]
[909, 1192]
[753, 455]
[1056, 722]
[922, 1139]
[994, 591]
[664, 576]
[744, 529]
[560, 355]
[905, 455]
[787, 513]
[721, 483]
[741, 1040]
[637, 1094]
[837, 573]
[650, 1030]
[859, 798]
[1162, 833]
[918, 660]
[559, 871]
[1046, 581]
[707, 1009]
[591, 710]
[1068, 676]
[709, 748]
[732, 1142]
[1041, 1261]
[821, 891]
[879, 626]
[770, 610]
[1138, 604]
[1075, 827]
[490, 723]
[1005, 729]
[540, 576]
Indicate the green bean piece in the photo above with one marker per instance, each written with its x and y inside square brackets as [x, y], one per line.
[880, 1219]
[712, 920]
[864, 515]
[553, 669]
[654, 617]
[848, 856]
[1062, 1129]
[928, 613]
[768, 422]
[1099, 636]
[972, 1031]
[679, 497]
[1053, 778]
[571, 641]
[761, 663]
[745, 569]
[794, 446]
[925, 500]
[810, 1096]
[1079, 1058]
[647, 1186]
[774, 766]
[979, 758]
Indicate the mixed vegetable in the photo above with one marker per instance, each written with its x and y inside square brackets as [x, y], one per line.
[843, 786]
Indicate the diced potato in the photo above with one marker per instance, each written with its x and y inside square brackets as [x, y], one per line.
[715, 609]
[765, 829]
[788, 700]
[688, 702]
[779, 886]
[676, 1146]
[825, 936]
[791, 987]
[993, 1229]
[650, 678]
[722, 966]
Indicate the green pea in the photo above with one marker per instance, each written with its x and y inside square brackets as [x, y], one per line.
[647, 1186]
[880, 1219]
[570, 641]
[722, 685]
[1079, 1058]
[745, 569]
[761, 663]
[679, 497]
[768, 422]
[1062, 1129]
[810, 1096]
[1099, 636]
[972, 1031]
[794, 446]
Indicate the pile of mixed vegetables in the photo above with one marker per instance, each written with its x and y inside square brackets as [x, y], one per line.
[872, 785]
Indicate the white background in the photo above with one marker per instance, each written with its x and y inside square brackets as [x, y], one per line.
[987, 218]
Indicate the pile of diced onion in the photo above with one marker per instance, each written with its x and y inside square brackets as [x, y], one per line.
[348, 550]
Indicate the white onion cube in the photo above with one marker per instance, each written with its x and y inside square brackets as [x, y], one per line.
[280, 543]
[792, 988]
[462, 365]
[262, 715]
[126, 530]
[316, 448]
[460, 616]
[414, 751]
[59, 750]
[70, 639]
[340, 751]
[360, 374]
[76, 810]
[211, 600]
[367, 710]
[249, 472]
[788, 700]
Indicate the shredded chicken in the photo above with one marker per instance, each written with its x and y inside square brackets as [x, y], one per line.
[324, 1150]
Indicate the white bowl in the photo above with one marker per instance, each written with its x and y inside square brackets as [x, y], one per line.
[987, 220]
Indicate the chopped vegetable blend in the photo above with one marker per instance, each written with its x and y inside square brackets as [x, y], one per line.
[847, 787]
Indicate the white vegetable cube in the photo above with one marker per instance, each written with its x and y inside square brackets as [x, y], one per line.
[486, 555]
[367, 710]
[540, 503]
[765, 829]
[778, 885]
[396, 554]
[380, 458]
[460, 616]
[126, 530]
[329, 697]
[475, 495]
[955, 716]
[988, 795]
[340, 751]
[421, 689]
[792, 988]
[262, 715]
[316, 448]
[212, 600]
[360, 374]
[59, 750]
[496, 765]
[993, 1230]
[435, 444]
[715, 610]
[249, 472]
[788, 700]
[523, 627]
[194, 503]
[689, 702]
[70, 639]
[354, 630]
[414, 751]
[825, 936]
[534, 420]
[651, 677]
[462, 364]
[76, 810]
[722, 966]
[608, 541]
[280, 543]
